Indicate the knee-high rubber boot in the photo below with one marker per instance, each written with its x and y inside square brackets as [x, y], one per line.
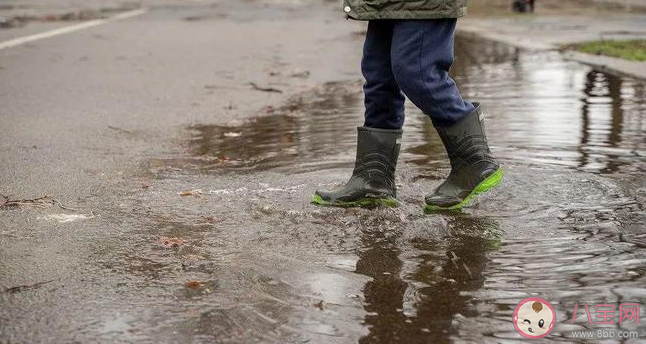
[473, 168]
[373, 179]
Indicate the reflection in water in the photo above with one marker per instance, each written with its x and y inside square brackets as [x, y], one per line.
[304, 130]
[415, 296]
[603, 99]
[532, 100]
[571, 207]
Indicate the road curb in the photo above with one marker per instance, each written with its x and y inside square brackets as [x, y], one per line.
[606, 64]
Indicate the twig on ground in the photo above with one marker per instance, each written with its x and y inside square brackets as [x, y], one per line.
[264, 89]
[64, 207]
[119, 129]
[40, 202]
[20, 288]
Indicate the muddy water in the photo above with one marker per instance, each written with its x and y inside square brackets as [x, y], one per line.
[567, 224]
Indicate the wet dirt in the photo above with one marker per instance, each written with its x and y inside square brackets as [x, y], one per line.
[258, 263]
[566, 225]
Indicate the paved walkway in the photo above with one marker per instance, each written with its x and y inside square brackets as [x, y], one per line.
[547, 32]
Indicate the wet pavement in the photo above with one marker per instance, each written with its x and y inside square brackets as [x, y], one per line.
[566, 225]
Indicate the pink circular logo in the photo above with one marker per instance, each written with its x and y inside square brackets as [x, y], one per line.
[534, 318]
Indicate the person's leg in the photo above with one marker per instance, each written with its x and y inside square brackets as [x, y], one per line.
[378, 141]
[383, 99]
[422, 53]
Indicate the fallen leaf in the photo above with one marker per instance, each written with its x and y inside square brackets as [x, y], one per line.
[213, 219]
[222, 159]
[319, 305]
[185, 193]
[193, 284]
[171, 242]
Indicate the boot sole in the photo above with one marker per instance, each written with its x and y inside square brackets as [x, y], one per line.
[484, 186]
[364, 202]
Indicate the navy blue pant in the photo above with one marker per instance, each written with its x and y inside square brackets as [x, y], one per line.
[411, 58]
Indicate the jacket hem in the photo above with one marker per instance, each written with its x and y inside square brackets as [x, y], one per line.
[413, 15]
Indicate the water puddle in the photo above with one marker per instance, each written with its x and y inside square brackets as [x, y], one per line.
[566, 225]
[560, 116]
[292, 138]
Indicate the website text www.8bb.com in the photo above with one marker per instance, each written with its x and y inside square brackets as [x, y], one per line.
[605, 334]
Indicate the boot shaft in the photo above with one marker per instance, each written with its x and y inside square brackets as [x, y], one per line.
[377, 150]
[373, 179]
[466, 141]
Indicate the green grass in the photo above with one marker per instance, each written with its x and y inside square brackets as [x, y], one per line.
[633, 50]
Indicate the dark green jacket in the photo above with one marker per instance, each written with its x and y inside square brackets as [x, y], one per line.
[404, 9]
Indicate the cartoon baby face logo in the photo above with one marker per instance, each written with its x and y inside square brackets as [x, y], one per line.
[534, 318]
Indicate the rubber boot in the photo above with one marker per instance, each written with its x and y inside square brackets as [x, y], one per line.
[373, 179]
[473, 168]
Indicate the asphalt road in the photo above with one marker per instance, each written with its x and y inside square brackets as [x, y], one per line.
[81, 112]
[177, 151]
[152, 74]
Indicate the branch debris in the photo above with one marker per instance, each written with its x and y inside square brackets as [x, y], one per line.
[121, 130]
[40, 202]
[264, 89]
[20, 288]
